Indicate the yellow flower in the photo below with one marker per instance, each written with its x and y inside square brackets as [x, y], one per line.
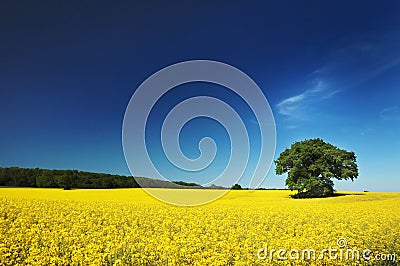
[128, 227]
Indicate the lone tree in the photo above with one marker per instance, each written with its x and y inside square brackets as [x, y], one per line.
[236, 187]
[312, 164]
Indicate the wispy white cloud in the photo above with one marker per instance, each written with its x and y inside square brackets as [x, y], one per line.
[293, 100]
[296, 106]
[356, 61]
[390, 113]
[362, 58]
[292, 127]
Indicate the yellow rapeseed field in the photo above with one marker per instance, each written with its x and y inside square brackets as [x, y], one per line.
[128, 227]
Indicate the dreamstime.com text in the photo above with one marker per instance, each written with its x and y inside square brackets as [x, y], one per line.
[341, 252]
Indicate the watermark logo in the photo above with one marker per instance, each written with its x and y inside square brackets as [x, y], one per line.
[341, 252]
[341, 242]
[138, 136]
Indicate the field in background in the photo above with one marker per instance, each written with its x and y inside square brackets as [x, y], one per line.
[128, 227]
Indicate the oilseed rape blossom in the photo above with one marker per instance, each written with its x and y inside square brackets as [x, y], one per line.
[128, 227]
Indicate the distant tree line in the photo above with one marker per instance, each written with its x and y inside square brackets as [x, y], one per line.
[186, 184]
[67, 179]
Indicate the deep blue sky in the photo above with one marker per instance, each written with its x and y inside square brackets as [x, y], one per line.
[329, 70]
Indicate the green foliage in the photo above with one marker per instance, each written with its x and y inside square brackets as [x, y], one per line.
[312, 164]
[236, 187]
[186, 184]
[67, 179]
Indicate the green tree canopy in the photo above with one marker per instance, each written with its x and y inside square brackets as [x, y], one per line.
[236, 187]
[312, 164]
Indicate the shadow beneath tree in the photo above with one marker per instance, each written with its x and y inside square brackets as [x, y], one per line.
[305, 195]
